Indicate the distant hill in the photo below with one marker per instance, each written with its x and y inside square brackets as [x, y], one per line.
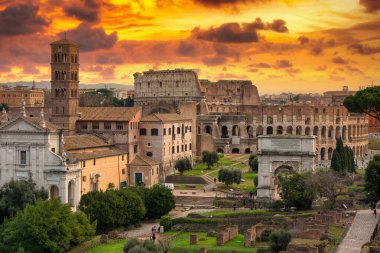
[46, 85]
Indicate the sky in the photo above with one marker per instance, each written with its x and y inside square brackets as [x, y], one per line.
[280, 45]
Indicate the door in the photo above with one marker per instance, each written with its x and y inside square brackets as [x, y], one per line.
[138, 178]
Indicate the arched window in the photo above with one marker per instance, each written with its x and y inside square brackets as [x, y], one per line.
[224, 132]
[208, 129]
[280, 130]
[331, 130]
[315, 131]
[259, 130]
[289, 130]
[323, 132]
[235, 130]
[250, 131]
[269, 130]
[298, 130]
[330, 152]
[323, 151]
[307, 131]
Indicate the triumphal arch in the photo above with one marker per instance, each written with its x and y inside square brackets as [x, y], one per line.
[279, 155]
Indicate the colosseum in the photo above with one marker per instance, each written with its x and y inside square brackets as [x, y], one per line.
[229, 114]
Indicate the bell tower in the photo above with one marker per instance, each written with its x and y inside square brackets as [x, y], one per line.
[65, 84]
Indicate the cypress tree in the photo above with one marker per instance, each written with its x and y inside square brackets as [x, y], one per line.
[342, 160]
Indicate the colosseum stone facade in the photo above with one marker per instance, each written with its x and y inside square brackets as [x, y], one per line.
[229, 115]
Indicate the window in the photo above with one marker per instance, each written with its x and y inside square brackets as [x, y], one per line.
[150, 154]
[94, 162]
[173, 150]
[164, 131]
[23, 157]
[154, 132]
[83, 126]
[122, 157]
[190, 129]
[152, 172]
[95, 125]
[178, 130]
[185, 147]
[107, 125]
[190, 146]
[170, 131]
[157, 170]
[123, 171]
[119, 125]
[84, 178]
[181, 148]
[178, 149]
[143, 131]
[53, 150]
[84, 164]
[135, 149]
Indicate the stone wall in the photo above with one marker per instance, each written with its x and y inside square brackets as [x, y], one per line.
[226, 234]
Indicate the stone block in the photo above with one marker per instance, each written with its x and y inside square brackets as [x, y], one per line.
[194, 239]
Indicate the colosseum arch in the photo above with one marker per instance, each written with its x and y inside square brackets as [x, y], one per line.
[289, 130]
[307, 131]
[247, 150]
[315, 131]
[225, 132]
[344, 132]
[337, 132]
[235, 130]
[208, 129]
[329, 153]
[220, 150]
[323, 132]
[323, 154]
[269, 130]
[235, 151]
[280, 130]
[259, 130]
[331, 130]
[250, 131]
[298, 130]
[353, 130]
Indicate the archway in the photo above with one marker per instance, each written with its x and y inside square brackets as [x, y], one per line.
[259, 130]
[298, 130]
[224, 132]
[344, 133]
[330, 134]
[54, 191]
[337, 132]
[269, 130]
[315, 131]
[235, 130]
[250, 131]
[323, 154]
[247, 150]
[307, 131]
[329, 153]
[235, 151]
[208, 129]
[280, 130]
[289, 130]
[323, 132]
[279, 173]
[220, 150]
[71, 191]
[349, 132]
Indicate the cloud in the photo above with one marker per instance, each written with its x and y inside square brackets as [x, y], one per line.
[321, 68]
[84, 10]
[263, 65]
[30, 70]
[370, 5]
[238, 33]
[358, 48]
[283, 64]
[91, 39]
[339, 60]
[21, 19]
[228, 3]
[110, 59]
[187, 48]
[214, 60]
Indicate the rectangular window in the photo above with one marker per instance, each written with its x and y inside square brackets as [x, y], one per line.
[181, 148]
[107, 125]
[95, 125]
[84, 164]
[164, 131]
[135, 149]
[123, 171]
[154, 132]
[178, 130]
[190, 129]
[122, 157]
[178, 149]
[170, 131]
[119, 126]
[83, 126]
[143, 131]
[152, 172]
[94, 162]
[23, 157]
[185, 147]
[53, 150]
[190, 146]
[84, 178]
[173, 150]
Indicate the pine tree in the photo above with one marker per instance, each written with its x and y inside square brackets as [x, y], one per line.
[342, 160]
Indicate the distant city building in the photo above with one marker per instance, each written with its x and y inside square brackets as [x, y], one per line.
[14, 96]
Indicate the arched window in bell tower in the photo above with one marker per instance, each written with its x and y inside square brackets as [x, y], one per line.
[63, 110]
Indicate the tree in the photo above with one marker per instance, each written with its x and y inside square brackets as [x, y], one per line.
[342, 159]
[297, 192]
[4, 106]
[47, 226]
[15, 195]
[105, 92]
[158, 200]
[253, 162]
[113, 208]
[209, 158]
[365, 101]
[372, 178]
[279, 241]
[229, 176]
[183, 164]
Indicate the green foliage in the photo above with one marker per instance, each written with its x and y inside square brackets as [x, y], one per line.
[105, 92]
[4, 106]
[47, 226]
[113, 208]
[342, 159]
[128, 102]
[278, 241]
[15, 195]
[229, 176]
[276, 205]
[166, 222]
[265, 236]
[209, 158]
[256, 181]
[158, 200]
[183, 164]
[253, 163]
[131, 243]
[297, 192]
[134, 246]
[372, 177]
[365, 101]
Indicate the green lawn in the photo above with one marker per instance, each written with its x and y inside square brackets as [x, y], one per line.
[247, 185]
[111, 247]
[181, 244]
[200, 168]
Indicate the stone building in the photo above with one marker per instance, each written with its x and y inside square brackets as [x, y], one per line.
[14, 96]
[143, 170]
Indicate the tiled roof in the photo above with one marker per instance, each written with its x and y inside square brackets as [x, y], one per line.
[97, 154]
[107, 113]
[142, 160]
[37, 122]
[164, 117]
[84, 141]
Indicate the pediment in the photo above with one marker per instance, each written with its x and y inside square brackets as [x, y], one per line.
[21, 124]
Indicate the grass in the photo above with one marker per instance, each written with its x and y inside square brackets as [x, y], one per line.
[374, 144]
[185, 187]
[181, 244]
[228, 213]
[200, 168]
[247, 185]
[110, 247]
[337, 232]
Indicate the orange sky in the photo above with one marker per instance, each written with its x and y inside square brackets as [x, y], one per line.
[281, 45]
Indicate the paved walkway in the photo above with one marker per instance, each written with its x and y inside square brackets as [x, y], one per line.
[359, 233]
[146, 228]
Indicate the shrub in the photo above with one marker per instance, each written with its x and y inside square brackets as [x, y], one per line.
[256, 181]
[279, 241]
[253, 163]
[265, 235]
[183, 164]
[297, 192]
[131, 243]
[166, 222]
[276, 205]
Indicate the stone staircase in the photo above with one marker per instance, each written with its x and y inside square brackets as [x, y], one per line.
[208, 179]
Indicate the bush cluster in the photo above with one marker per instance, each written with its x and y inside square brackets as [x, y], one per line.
[229, 176]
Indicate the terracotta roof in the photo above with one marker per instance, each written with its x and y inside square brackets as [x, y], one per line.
[64, 42]
[84, 141]
[143, 160]
[164, 117]
[35, 121]
[107, 113]
[97, 154]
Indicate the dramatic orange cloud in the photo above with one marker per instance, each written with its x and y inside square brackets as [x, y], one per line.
[281, 45]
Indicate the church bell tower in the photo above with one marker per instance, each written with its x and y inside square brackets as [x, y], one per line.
[65, 84]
